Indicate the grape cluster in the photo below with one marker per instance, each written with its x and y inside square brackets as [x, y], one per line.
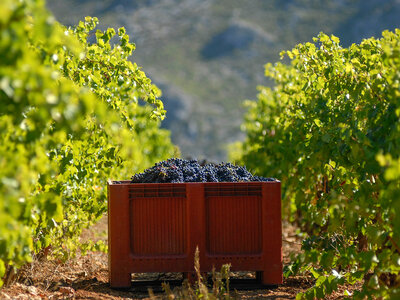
[176, 170]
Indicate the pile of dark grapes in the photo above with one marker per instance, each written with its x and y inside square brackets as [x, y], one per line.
[179, 170]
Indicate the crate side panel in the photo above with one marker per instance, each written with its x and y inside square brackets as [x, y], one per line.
[234, 225]
[272, 229]
[158, 226]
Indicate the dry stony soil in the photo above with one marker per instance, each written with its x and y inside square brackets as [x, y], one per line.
[86, 277]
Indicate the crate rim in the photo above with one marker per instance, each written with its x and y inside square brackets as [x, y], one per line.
[128, 182]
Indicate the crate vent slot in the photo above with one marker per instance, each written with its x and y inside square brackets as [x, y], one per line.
[162, 191]
[217, 190]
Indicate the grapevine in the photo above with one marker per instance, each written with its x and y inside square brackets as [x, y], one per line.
[69, 119]
[330, 130]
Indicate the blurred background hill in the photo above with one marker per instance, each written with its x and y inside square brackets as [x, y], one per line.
[207, 56]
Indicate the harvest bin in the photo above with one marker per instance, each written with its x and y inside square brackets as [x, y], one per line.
[156, 227]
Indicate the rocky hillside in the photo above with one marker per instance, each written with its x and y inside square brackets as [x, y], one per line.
[208, 55]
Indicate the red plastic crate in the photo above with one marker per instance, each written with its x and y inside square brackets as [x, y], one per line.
[156, 227]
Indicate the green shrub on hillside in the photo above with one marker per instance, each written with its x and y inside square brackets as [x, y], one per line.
[330, 130]
[69, 120]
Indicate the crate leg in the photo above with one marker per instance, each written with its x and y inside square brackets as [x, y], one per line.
[120, 280]
[269, 278]
[190, 276]
[205, 277]
[259, 276]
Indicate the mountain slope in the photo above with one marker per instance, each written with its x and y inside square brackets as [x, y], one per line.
[208, 55]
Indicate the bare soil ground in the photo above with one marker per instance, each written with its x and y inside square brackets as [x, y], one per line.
[86, 277]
